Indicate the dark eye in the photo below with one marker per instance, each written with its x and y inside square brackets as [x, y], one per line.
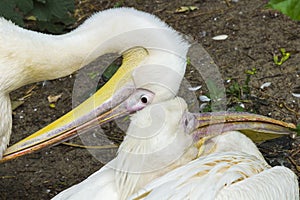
[144, 99]
[186, 122]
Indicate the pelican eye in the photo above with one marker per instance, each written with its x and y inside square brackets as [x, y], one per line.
[144, 99]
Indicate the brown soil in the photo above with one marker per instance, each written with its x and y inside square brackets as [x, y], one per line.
[255, 35]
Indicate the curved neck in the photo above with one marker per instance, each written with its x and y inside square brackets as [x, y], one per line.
[30, 56]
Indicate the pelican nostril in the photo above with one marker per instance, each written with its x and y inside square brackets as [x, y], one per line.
[186, 122]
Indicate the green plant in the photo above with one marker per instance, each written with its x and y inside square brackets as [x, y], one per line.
[207, 108]
[48, 15]
[216, 92]
[290, 8]
[239, 108]
[236, 91]
[118, 4]
[298, 129]
[216, 95]
[110, 71]
[249, 73]
[279, 60]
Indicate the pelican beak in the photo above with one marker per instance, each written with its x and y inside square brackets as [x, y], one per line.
[112, 101]
[256, 127]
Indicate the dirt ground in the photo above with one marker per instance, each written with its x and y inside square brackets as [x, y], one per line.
[255, 34]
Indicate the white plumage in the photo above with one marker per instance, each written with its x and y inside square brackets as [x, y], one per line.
[158, 158]
[27, 56]
[239, 172]
[166, 165]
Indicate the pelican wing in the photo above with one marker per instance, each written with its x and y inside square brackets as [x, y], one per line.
[275, 183]
[223, 175]
[100, 184]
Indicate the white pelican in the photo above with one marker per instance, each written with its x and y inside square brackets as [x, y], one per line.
[149, 47]
[159, 159]
[27, 56]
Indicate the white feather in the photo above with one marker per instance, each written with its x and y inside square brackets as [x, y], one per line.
[225, 174]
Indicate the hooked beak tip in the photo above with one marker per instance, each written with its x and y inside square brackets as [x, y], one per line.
[257, 127]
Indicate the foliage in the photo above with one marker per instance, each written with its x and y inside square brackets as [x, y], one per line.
[207, 108]
[236, 89]
[110, 71]
[239, 108]
[298, 129]
[283, 57]
[216, 97]
[216, 93]
[118, 4]
[237, 92]
[290, 8]
[48, 15]
[249, 73]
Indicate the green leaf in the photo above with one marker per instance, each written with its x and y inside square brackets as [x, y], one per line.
[6, 7]
[284, 57]
[50, 15]
[234, 89]
[213, 89]
[118, 5]
[298, 129]
[275, 59]
[25, 5]
[53, 8]
[186, 8]
[68, 20]
[239, 108]
[41, 1]
[50, 27]
[251, 71]
[41, 12]
[7, 10]
[60, 8]
[110, 71]
[53, 15]
[216, 94]
[290, 8]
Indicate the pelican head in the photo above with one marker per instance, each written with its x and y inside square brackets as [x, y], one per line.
[160, 137]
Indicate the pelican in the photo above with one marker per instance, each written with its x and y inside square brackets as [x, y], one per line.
[150, 50]
[159, 159]
[27, 56]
